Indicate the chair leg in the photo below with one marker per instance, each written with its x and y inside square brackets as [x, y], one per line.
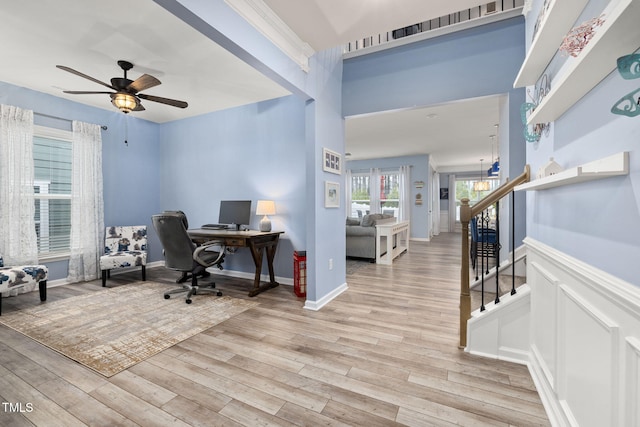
[43, 290]
[104, 278]
[144, 272]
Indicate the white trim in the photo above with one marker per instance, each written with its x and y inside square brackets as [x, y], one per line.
[262, 18]
[594, 319]
[250, 276]
[230, 273]
[633, 380]
[317, 305]
[616, 290]
[52, 133]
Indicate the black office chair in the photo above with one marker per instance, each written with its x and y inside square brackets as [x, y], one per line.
[181, 254]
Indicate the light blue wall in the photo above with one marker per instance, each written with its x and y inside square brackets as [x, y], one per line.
[324, 126]
[466, 64]
[130, 172]
[246, 153]
[419, 172]
[326, 241]
[596, 222]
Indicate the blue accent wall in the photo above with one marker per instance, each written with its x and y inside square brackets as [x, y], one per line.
[251, 152]
[475, 62]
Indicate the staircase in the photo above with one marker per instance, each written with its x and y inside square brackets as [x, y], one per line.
[498, 326]
[501, 330]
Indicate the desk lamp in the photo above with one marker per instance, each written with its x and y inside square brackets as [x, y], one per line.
[265, 207]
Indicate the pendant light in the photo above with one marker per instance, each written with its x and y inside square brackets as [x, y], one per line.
[481, 185]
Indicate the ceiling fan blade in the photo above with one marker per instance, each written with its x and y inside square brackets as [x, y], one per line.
[83, 92]
[78, 73]
[172, 102]
[143, 82]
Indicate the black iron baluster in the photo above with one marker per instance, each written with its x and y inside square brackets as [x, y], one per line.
[513, 242]
[497, 252]
[485, 241]
[481, 234]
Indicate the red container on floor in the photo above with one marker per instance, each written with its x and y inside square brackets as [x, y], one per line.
[300, 273]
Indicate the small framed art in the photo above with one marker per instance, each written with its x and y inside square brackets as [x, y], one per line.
[331, 161]
[331, 194]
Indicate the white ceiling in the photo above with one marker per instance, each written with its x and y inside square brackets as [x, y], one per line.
[329, 23]
[91, 36]
[457, 134]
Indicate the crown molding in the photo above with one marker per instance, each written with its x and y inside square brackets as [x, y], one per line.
[261, 17]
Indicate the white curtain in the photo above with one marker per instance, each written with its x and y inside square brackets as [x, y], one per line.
[452, 203]
[347, 192]
[374, 190]
[87, 210]
[436, 203]
[404, 209]
[18, 244]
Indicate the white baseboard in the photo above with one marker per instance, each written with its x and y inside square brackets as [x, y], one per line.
[231, 273]
[317, 305]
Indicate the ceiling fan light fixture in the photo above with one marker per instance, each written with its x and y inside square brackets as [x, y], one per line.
[124, 102]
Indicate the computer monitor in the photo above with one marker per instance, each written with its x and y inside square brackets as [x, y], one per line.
[236, 212]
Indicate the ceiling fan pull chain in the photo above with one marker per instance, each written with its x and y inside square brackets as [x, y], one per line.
[126, 130]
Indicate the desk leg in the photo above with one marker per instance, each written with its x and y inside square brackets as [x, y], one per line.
[256, 253]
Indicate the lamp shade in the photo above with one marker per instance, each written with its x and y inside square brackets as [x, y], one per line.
[266, 207]
[124, 101]
[481, 186]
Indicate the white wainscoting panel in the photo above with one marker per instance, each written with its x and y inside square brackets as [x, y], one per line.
[502, 330]
[588, 360]
[632, 413]
[585, 340]
[543, 308]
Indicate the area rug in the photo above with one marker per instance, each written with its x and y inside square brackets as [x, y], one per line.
[354, 265]
[115, 328]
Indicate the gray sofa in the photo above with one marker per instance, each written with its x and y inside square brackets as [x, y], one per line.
[361, 235]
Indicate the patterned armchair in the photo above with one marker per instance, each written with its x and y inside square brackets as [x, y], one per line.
[22, 279]
[124, 246]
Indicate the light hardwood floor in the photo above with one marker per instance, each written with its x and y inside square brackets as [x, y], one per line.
[383, 353]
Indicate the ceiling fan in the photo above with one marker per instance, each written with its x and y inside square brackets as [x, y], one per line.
[126, 96]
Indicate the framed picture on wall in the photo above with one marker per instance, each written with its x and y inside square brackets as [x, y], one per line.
[331, 161]
[444, 194]
[331, 194]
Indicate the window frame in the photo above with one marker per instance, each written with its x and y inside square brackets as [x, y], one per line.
[383, 173]
[67, 137]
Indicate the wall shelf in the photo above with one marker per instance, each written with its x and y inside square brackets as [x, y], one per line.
[619, 35]
[557, 22]
[615, 165]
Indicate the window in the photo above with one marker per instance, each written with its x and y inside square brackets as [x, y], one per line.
[52, 190]
[390, 193]
[388, 190]
[464, 188]
[360, 198]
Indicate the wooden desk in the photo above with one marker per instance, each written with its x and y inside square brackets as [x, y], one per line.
[254, 240]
